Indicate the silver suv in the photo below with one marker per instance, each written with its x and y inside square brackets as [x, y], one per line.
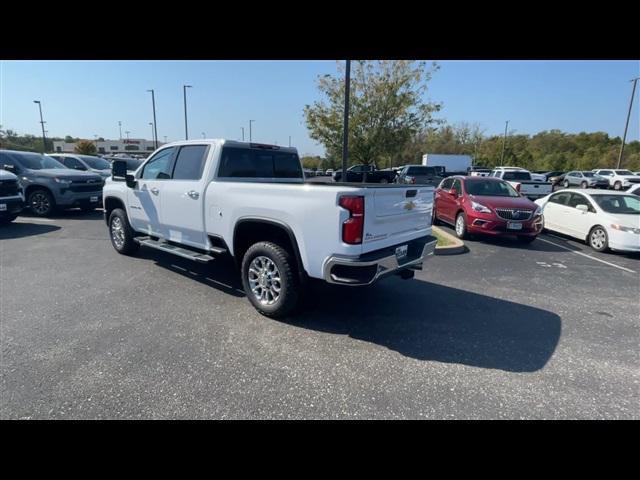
[584, 180]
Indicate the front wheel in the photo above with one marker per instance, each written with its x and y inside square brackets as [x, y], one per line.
[566, 184]
[269, 279]
[617, 186]
[461, 226]
[41, 203]
[121, 233]
[584, 185]
[598, 239]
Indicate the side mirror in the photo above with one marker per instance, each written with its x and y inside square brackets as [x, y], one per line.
[9, 168]
[119, 169]
[131, 180]
[582, 208]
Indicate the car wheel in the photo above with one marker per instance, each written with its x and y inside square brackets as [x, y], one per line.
[526, 238]
[461, 226]
[598, 239]
[566, 184]
[121, 233]
[617, 186]
[41, 203]
[8, 219]
[584, 185]
[269, 279]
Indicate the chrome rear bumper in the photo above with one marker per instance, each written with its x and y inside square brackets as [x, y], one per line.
[366, 269]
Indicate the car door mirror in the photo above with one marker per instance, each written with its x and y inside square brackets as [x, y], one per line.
[119, 170]
[9, 168]
[131, 180]
[582, 208]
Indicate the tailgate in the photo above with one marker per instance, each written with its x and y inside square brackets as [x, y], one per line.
[535, 188]
[396, 214]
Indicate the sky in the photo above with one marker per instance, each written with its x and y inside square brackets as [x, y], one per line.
[87, 98]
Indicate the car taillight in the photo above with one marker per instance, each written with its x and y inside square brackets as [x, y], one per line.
[352, 227]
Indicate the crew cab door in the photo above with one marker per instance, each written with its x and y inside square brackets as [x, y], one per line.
[183, 197]
[145, 199]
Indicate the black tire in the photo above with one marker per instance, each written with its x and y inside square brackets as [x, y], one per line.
[461, 231]
[8, 219]
[584, 185]
[526, 239]
[41, 202]
[566, 184]
[289, 293]
[617, 186]
[598, 239]
[123, 243]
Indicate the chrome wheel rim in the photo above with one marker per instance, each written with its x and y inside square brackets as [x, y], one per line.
[264, 280]
[117, 232]
[460, 225]
[598, 238]
[40, 203]
[566, 184]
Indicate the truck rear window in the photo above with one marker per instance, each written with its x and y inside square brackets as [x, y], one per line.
[516, 176]
[258, 163]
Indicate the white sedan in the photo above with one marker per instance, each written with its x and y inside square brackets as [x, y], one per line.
[604, 219]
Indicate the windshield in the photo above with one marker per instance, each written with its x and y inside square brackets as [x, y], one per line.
[96, 162]
[624, 204]
[490, 188]
[35, 161]
[623, 172]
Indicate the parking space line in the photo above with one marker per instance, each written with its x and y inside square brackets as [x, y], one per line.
[588, 256]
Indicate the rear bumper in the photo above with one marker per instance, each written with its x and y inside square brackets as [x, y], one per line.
[366, 269]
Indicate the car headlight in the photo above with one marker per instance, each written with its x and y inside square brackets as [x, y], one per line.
[478, 207]
[537, 212]
[62, 181]
[622, 228]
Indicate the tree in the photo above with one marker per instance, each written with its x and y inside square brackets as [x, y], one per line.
[387, 109]
[85, 147]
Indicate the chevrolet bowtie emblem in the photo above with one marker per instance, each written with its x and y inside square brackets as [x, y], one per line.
[410, 205]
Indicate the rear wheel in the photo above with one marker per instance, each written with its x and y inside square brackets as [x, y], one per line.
[598, 239]
[41, 203]
[461, 226]
[584, 185]
[269, 279]
[121, 233]
[566, 184]
[617, 186]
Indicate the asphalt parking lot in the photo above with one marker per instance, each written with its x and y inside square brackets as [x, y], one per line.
[547, 330]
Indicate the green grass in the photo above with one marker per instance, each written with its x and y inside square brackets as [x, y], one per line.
[442, 241]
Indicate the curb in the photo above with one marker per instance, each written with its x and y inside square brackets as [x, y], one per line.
[457, 248]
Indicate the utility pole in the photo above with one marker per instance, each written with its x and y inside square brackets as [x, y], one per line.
[624, 138]
[155, 127]
[504, 141]
[127, 132]
[186, 129]
[345, 132]
[120, 126]
[250, 137]
[151, 124]
[242, 133]
[44, 136]
[289, 141]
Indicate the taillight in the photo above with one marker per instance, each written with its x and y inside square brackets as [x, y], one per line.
[352, 227]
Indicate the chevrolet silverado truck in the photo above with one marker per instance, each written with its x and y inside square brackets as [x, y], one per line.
[11, 197]
[199, 199]
[523, 182]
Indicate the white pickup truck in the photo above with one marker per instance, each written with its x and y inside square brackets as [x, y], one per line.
[523, 182]
[203, 198]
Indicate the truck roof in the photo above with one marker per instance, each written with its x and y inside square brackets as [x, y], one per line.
[232, 143]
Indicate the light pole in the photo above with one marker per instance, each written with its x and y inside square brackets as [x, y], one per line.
[250, 137]
[345, 131]
[504, 140]
[151, 123]
[155, 127]
[184, 93]
[624, 138]
[242, 133]
[289, 141]
[44, 136]
[120, 127]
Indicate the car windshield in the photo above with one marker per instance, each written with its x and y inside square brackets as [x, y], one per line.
[624, 204]
[490, 188]
[35, 161]
[96, 162]
[623, 172]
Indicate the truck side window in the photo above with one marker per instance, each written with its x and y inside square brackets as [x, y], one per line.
[189, 162]
[159, 167]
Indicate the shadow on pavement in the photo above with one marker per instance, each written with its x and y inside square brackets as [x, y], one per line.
[427, 321]
[20, 230]
[74, 213]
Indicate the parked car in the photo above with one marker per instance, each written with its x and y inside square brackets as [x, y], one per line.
[202, 198]
[11, 197]
[418, 174]
[584, 180]
[478, 171]
[521, 180]
[356, 173]
[601, 219]
[488, 206]
[86, 163]
[555, 177]
[619, 179]
[329, 172]
[48, 184]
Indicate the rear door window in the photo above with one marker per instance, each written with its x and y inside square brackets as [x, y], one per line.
[258, 163]
[189, 163]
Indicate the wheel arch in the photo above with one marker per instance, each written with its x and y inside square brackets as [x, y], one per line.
[110, 204]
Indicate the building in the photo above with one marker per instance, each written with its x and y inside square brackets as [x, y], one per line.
[131, 146]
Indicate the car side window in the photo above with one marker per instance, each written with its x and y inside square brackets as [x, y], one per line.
[560, 198]
[577, 199]
[71, 162]
[446, 184]
[458, 186]
[159, 167]
[189, 163]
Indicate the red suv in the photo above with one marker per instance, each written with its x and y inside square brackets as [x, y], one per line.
[488, 206]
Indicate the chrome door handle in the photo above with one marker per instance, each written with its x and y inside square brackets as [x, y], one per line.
[193, 194]
[154, 190]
